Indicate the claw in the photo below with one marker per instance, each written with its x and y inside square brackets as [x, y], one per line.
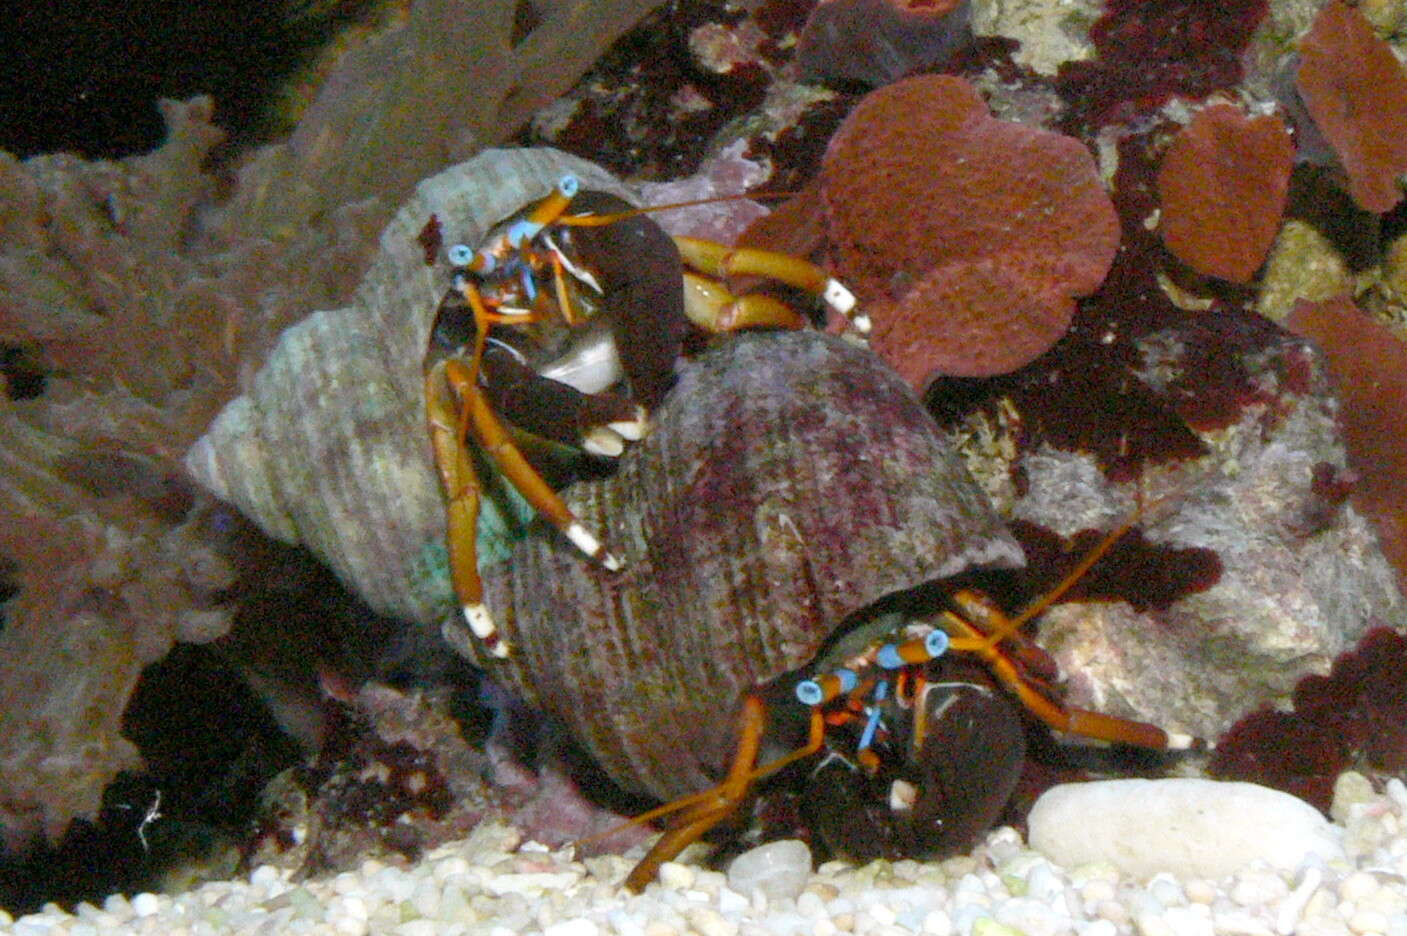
[634, 429]
[586, 541]
[717, 259]
[839, 297]
[602, 441]
[481, 623]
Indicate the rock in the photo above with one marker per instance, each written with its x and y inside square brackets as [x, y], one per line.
[779, 869]
[1192, 828]
[1249, 568]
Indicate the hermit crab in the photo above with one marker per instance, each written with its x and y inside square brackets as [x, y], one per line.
[564, 300]
[328, 445]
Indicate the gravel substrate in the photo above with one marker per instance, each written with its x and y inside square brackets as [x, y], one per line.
[495, 884]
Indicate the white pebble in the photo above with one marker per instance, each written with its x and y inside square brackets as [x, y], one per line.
[677, 876]
[1190, 827]
[966, 915]
[350, 926]
[937, 923]
[577, 927]
[1358, 886]
[1254, 888]
[809, 904]
[1042, 883]
[264, 875]
[1153, 924]
[778, 869]
[1200, 890]
[883, 914]
[347, 883]
[1240, 922]
[708, 922]
[1032, 917]
[1368, 921]
[1098, 891]
[1396, 791]
[1292, 908]
[529, 884]
[350, 905]
[145, 905]
[1188, 921]
[417, 928]
[1113, 911]
[1096, 928]
[1167, 890]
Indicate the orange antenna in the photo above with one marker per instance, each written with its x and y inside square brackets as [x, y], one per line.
[595, 220]
[1142, 510]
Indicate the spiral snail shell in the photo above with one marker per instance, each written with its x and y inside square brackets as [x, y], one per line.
[792, 481]
[328, 447]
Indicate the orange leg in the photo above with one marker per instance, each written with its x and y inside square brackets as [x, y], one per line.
[491, 434]
[455, 404]
[711, 306]
[983, 628]
[694, 815]
[1040, 702]
[461, 487]
[720, 260]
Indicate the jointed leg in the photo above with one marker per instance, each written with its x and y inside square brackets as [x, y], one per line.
[694, 815]
[1041, 702]
[711, 306]
[720, 260]
[491, 434]
[461, 487]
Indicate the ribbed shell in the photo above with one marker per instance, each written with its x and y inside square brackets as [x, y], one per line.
[329, 447]
[790, 480]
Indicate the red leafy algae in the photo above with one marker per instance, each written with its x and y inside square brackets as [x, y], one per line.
[1153, 50]
[1370, 363]
[1084, 394]
[1355, 717]
[966, 237]
[1146, 575]
[1356, 92]
[1222, 187]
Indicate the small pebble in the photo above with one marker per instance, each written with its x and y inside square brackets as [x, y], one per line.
[676, 876]
[1358, 886]
[578, 927]
[145, 905]
[778, 869]
[1367, 921]
[937, 923]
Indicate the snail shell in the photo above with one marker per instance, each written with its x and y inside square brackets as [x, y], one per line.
[791, 480]
[328, 447]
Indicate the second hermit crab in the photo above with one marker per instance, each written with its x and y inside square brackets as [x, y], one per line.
[795, 529]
